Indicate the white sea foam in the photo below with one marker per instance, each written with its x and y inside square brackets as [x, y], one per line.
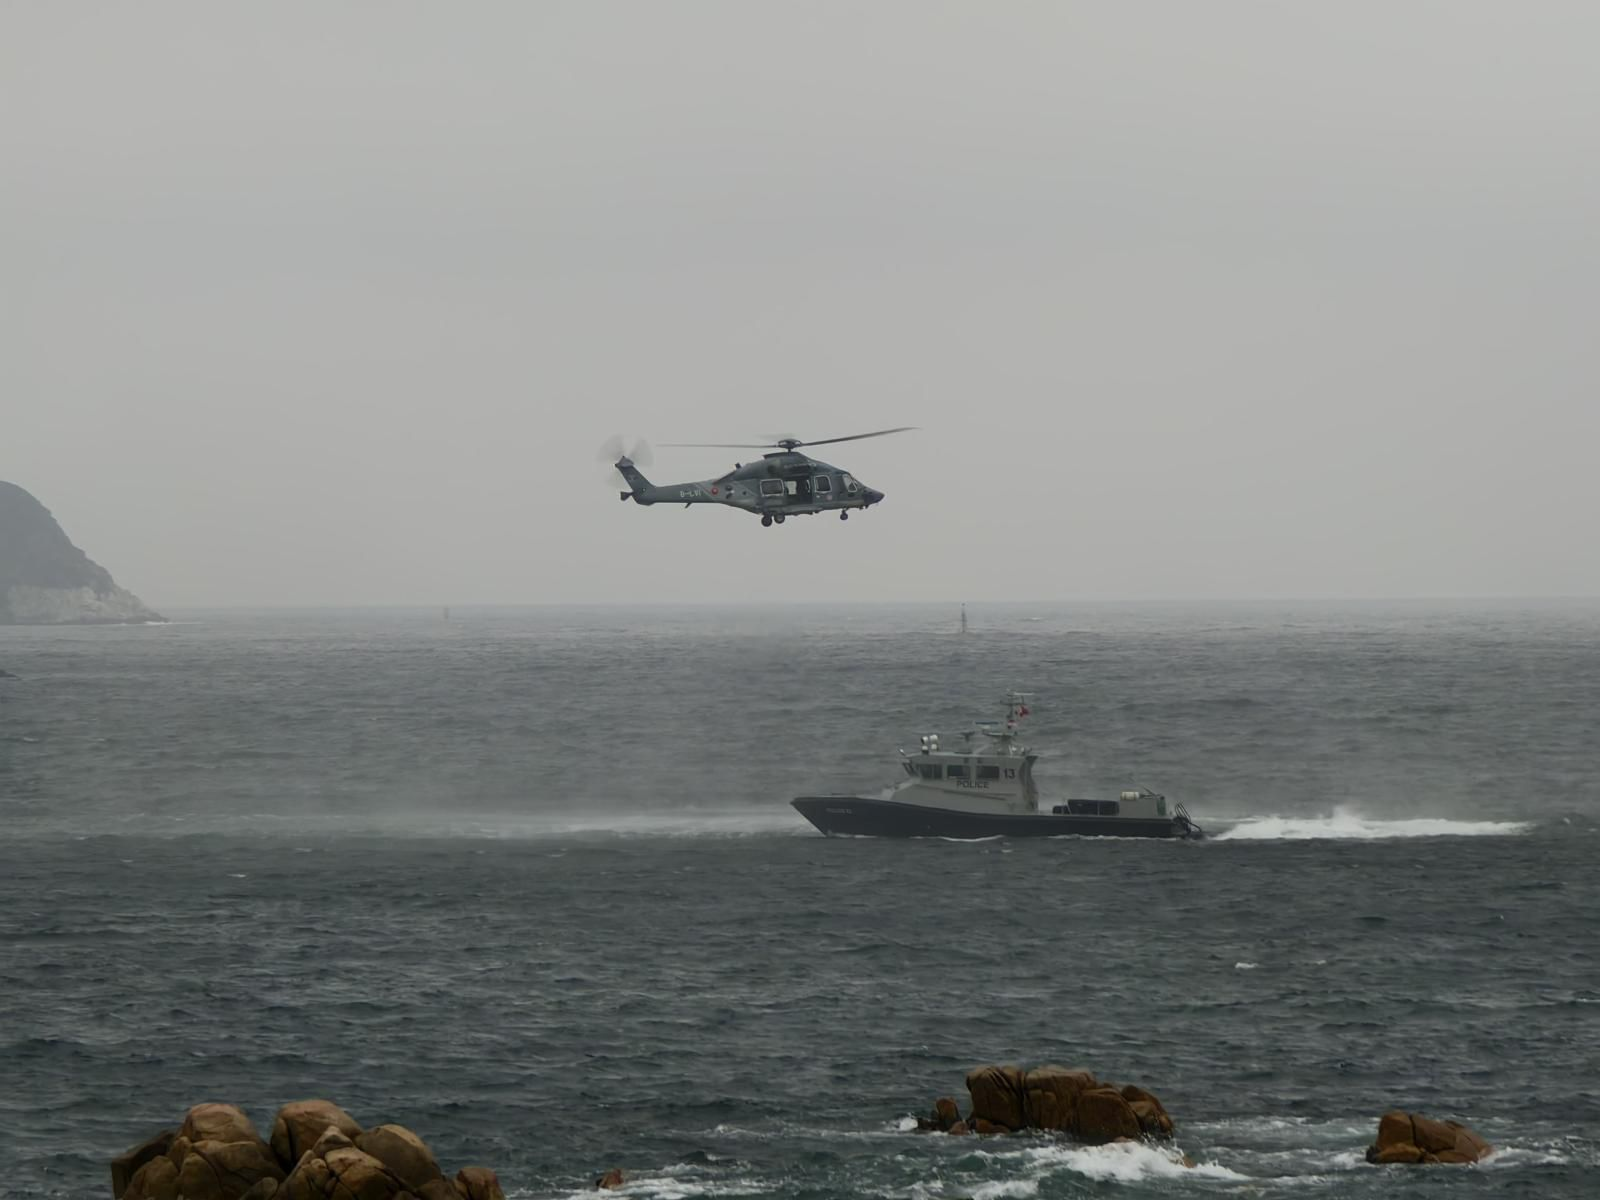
[1347, 825]
[1005, 1187]
[1245, 966]
[668, 1187]
[1130, 1162]
[1120, 1162]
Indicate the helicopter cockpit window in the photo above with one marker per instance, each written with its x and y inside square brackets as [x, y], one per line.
[850, 484]
[824, 484]
[772, 487]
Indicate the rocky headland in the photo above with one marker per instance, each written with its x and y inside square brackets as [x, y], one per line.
[316, 1151]
[46, 580]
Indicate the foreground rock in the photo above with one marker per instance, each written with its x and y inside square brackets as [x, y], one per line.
[317, 1152]
[1412, 1138]
[1066, 1100]
[46, 580]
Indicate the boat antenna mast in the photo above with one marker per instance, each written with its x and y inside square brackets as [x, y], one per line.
[1005, 734]
[1016, 708]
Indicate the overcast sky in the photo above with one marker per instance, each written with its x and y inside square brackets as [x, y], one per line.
[311, 303]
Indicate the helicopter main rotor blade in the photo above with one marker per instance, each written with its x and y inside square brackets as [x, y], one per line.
[856, 437]
[790, 443]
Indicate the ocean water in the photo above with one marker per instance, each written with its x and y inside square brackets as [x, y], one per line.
[527, 881]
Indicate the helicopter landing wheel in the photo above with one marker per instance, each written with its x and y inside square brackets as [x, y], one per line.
[844, 516]
[778, 517]
[766, 518]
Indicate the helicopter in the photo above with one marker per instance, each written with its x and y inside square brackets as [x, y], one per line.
[784, 483]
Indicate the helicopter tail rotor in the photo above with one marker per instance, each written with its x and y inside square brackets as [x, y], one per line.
[616, 447]
[623, 472]
[614, 452]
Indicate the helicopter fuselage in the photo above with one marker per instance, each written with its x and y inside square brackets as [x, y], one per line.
[781, 484]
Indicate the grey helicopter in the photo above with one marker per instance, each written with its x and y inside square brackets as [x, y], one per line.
[784, 483]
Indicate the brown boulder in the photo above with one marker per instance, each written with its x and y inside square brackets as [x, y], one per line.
[126, 1164]
[1412, 1138]
[262, 1189]
[363, 1176]
[1400, 1152]
[611, 1179]
[945, 1112]
[1394, 1129]
[218, 1123]
[1154, 1120]
[403, 1152]
[1133, 1093]
[156, 1180]
[331, 1139]
[225, 1170]
[438, 1189]
[1469, 1142]
[987, 1128]
[1050, 1096]
[1104, 1116]
[1433, 1136]
[997, 1095]
[299, 1124]
[959, 1129]
[345, 1174]
[479, 1183]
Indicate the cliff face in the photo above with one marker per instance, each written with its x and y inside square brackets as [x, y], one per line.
[46, 580]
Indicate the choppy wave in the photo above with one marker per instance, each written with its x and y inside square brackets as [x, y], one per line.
[1346, 825]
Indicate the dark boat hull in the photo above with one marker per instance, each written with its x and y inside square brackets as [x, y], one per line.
[853, 816]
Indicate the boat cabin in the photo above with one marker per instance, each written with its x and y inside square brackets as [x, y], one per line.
[999, 774]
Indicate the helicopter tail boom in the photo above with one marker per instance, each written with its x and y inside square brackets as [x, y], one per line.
[642, 487]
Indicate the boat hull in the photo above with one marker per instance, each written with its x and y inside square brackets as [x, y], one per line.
[855, 816]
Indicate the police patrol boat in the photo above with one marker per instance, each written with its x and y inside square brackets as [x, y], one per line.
[983, 787]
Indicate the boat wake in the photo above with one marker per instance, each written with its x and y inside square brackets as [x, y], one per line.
[687, 823]
[1346, 825]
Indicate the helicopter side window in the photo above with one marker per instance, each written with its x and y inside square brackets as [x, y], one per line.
[824, 484]
[772, 487]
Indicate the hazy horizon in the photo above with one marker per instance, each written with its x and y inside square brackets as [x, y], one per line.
[315, 307]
